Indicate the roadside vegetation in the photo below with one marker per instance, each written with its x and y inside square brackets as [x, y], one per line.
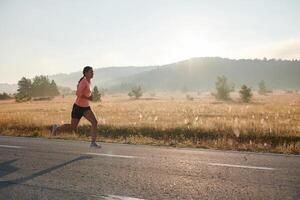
[244, 120]
[268, 123]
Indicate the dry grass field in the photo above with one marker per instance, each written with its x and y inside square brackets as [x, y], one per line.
[269, 124]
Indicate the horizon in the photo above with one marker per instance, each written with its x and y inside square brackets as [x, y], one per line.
[133, 33]
[95, 67]
[216, 57]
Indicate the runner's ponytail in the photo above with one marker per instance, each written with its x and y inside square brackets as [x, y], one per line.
[79, 81]
[85, 70]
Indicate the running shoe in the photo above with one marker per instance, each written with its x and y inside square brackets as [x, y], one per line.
[54, 128]
[95, 145]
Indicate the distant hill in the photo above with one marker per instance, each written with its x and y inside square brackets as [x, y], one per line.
[8, 88]
[201, 73]
[103, 77]
[194, 74]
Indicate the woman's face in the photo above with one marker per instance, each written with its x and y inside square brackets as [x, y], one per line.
[89, 74]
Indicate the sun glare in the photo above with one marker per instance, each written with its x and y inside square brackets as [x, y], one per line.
[188, 44]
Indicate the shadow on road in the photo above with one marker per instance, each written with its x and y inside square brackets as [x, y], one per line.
[7, 168]
[5, 184]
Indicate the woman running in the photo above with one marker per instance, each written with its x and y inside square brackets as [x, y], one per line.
[82, 107]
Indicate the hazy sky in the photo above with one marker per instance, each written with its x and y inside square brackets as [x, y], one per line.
[62, 36]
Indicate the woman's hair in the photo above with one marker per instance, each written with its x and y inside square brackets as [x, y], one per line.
[85, 70]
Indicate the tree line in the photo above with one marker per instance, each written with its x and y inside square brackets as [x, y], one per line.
[5, 96]
[223, 90]
[39, 86]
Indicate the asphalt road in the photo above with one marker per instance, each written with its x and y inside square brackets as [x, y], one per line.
[33, 168]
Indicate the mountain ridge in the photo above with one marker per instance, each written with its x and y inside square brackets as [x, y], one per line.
[198, 73]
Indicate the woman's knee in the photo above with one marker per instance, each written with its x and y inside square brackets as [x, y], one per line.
[95, 122]
[74, 124]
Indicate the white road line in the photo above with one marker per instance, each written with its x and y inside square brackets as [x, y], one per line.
[114, 197]
[110, 155]
[9, 146]
[241, 166]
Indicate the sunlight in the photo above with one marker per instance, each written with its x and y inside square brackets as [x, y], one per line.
[187, 44]
[190, 44]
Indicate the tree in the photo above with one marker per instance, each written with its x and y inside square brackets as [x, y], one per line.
[4, 96]
[24, 90]
[53, 90]
[96, 94]
[41, 86]
[136, 92]
[245, 94]
[223, 88]
[262, 89]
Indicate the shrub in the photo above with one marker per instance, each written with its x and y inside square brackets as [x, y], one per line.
[5, 96]
[245, 93]
[96, 94]
[262, 88]
[223, 88]
[42, 98]
[136, 92]
[189, 97]
[22, 97]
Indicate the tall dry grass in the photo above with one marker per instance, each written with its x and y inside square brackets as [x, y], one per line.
[269, 123]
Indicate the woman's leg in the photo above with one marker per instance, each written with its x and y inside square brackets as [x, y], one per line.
[90, 116]
[67, 127]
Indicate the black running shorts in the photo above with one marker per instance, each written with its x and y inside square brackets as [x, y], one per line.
[77, 111]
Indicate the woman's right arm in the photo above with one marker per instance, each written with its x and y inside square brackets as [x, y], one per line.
[88, 98]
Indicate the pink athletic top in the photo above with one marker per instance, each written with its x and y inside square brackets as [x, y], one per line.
[84, 88]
